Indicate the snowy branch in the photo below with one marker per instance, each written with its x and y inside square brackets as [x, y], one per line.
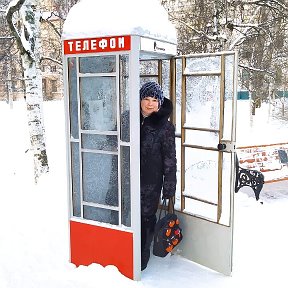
[256, 69]
[273, 4]
[51, 15]
[238, 40]
[52, 60]
[13, 7]
[47, 20]
[200, 33]
[6, 37]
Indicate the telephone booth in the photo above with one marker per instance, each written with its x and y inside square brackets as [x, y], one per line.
[101, 81]
[104, 68]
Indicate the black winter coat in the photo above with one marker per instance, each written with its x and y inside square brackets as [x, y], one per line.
[157, 158]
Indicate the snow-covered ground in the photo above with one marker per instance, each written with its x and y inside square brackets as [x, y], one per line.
[267, 126]
[260, 137]
[34, 250]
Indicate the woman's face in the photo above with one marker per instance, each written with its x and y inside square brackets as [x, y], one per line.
[149, 105]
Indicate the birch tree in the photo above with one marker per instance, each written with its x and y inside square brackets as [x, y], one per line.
[26, 32]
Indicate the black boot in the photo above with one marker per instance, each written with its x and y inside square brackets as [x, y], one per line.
[147, 234]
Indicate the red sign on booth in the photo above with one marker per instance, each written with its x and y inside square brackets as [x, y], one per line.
[96, 45]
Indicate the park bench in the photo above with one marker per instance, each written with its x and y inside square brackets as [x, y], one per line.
[250, 178]
[283, 157]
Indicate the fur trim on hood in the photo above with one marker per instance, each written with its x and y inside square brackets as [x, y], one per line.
[157, 119]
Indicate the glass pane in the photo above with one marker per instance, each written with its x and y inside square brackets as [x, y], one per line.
[125, 126]
[149, 67]
[97, 64]
[201, 209]
[124, 98]
[202, 138]
[229, 77]
[100, 178]
[226, 188]
[229, 97]
[100, 142]
[125, 185]
[98, 103]
[146, 79]
[203, 64]
[166, 78]
[228, 119]
[203, 102]
[75, 179]
[201, 174]
[178, 174]
[178, 94]
[101, 215]
[73, 101]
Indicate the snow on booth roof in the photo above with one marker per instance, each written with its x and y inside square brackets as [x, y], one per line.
[99, 18]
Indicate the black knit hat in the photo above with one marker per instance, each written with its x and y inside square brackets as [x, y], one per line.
[152, 89]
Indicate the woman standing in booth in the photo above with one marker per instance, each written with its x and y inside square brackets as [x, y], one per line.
[157, 160]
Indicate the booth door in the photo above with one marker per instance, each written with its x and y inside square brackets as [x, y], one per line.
[205, 125]
[104, 220]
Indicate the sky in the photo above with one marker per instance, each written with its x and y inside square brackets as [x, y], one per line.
[34, 239]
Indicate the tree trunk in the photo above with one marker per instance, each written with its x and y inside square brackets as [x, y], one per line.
[28, 41]
[34, 102]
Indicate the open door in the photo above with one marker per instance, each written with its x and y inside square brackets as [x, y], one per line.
[205, 125]
[203, 90]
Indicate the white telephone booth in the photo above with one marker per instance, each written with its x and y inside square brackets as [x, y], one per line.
[101, 80]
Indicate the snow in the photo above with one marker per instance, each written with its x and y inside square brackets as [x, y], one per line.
[95, 18]
[266, 127]
[265, 133]
[34, 244]
[34, 239]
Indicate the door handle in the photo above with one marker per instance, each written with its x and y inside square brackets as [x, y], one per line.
[226, 146]
[221, 146]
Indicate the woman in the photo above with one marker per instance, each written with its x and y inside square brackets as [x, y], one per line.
[157, 160]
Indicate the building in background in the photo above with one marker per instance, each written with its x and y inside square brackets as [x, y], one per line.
[11, 74]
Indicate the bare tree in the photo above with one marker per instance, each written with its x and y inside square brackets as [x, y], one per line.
[10, 82]
[27, 37]
[28, 30]
[256, 28]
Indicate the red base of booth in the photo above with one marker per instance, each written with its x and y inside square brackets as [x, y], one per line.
[93, 244]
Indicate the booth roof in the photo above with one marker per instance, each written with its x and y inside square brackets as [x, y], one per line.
[98, 18]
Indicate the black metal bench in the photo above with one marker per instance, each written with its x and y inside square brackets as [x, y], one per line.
[250, 178]
[283, 157]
